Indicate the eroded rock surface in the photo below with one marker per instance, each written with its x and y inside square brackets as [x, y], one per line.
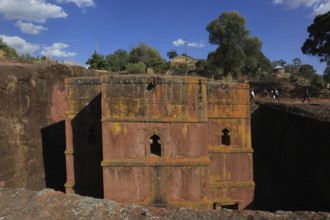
[32, 123]
[49, 204]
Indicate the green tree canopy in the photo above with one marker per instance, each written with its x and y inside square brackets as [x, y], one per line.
[307, 71]
[229, 32]
[117, 60]
[97, 62]
[147, 55]
[265, 66]
[255, 61]
[297, 62]
[326, 74]
[8, 51]
[318, 41]
[237, 52]
[136, 68]
[293, 69]
[171, 54]
[206, 68]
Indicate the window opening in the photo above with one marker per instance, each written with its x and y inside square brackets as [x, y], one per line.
[155, 146]
[225, 139]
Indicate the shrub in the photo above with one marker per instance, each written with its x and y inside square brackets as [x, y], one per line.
[137, 68]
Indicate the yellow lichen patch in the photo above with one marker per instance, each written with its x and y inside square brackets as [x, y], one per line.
[11, 83]
[125, 130]
[214, 179]
[224, 169]
[116, 128]
[184, 130]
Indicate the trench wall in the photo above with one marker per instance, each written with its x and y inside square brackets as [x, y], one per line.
[32, 127]
[291, 161]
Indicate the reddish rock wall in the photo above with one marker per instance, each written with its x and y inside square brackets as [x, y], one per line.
[32, 133]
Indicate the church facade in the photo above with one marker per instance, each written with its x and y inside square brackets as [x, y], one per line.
[159, 140]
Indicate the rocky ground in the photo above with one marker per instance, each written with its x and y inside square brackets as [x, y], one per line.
[49, 204]
[318, 109]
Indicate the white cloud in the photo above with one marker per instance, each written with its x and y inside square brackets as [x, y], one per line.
[197, 45]
[29, 28]
[57, 50]
[30, 10]
[181, 42]
[322, 8]
[79, 3]
[19, 44]
[318, 6]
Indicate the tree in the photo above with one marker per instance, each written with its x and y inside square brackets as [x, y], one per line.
[147, 55]
[8, 51]
[318, 41]
[117, 60]
[265, 65]
[180, 69]
[293, 69]
[97, 62]
[229, 32]
[206, 68]
[251, 48]
[307, 71]
[281, 63]
[28, 57]
[255, 61]
[297, 62]
[326, 74]
[137, 68]
[171, 54]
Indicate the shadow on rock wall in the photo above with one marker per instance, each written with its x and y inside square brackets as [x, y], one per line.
[53, 146]
[87, 144]
[291, 161]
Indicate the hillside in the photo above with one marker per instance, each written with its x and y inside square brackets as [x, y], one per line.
[183, 60]
[290, 88]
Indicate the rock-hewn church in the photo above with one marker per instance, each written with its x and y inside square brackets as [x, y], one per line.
[159, 140]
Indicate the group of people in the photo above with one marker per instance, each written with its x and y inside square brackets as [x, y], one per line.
[274, 95]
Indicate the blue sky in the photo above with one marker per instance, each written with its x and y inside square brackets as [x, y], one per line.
[71, 30]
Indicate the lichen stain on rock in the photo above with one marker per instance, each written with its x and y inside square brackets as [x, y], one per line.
[184, 130]
[116, 128]
[11, 84]
[19, 154]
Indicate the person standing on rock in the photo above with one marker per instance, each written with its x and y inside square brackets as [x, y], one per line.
[276, 95]
[306, 96]
[252, 95]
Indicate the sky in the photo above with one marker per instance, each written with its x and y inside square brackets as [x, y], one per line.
[71, 30]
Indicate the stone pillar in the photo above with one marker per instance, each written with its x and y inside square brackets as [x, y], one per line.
[69, 155]
[82, 104]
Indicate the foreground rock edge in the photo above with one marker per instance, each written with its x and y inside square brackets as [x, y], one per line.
[50, 204]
